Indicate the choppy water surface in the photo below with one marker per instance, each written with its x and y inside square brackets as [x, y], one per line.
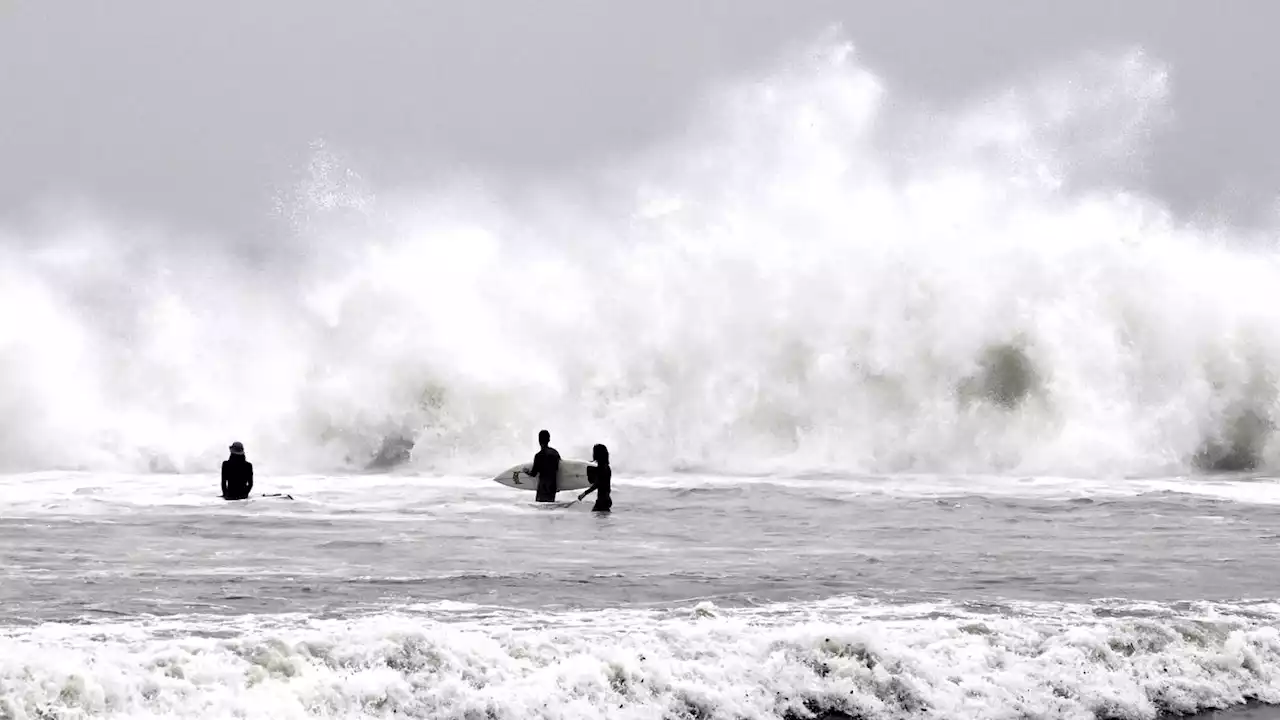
[80, 545]
[135, 596]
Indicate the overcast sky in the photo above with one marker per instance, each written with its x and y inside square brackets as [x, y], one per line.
[194, 112]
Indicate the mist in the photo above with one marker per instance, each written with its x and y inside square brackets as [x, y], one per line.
[811, 275]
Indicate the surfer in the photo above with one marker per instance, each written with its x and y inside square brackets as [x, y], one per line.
[600, 477]
[237, 474]
[546, 467]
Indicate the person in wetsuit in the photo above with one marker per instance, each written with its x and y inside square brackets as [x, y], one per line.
[600, 478]
[546, 467]
[237, 475]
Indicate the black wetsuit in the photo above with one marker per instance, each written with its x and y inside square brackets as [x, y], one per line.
[546, 467]
[600, 478]
[237, 478]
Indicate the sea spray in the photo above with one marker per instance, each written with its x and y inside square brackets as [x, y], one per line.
[813, 277]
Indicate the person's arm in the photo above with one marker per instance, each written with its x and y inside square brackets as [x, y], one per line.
[591, 478]
[224, 480]
[249, 489]
[533, 469]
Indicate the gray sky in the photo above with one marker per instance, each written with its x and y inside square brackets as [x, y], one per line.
[195, 112]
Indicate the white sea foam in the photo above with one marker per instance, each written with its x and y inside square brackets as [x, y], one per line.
[844, 656]
[812, 277]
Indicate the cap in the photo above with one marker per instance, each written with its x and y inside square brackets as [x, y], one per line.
[237, 448]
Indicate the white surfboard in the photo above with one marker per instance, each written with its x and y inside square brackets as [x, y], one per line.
[572, 476]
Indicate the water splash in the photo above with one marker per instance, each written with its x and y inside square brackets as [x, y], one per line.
[816, 276]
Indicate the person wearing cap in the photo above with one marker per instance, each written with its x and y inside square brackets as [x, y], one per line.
[237, 474]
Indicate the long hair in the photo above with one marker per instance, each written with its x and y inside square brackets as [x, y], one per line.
[600, 454]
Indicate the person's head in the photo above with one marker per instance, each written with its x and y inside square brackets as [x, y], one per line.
[237, 448]
[600, 454]
[544, 438]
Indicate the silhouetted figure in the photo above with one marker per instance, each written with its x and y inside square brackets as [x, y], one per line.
[546, 467]
[237, 475]
[600, 478]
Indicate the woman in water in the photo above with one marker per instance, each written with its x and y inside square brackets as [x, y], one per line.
[599, 477]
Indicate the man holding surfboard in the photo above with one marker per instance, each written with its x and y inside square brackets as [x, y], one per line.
[546, 467]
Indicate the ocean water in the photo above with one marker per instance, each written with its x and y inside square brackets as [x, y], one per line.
[700, 596]
[915, 412]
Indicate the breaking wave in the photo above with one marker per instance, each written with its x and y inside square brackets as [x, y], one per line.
[835, 659]
[813, 277]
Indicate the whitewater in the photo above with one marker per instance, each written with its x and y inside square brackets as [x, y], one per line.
[915, 412]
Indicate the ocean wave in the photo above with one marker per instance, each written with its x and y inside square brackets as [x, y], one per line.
[841, 658]
[811, 277]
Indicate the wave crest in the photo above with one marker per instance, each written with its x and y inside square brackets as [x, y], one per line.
[813, 278]
[771, 663]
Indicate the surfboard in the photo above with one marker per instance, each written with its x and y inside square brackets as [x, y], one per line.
[572, 476]
[264, 496]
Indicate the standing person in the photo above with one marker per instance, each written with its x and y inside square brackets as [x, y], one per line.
[237, 475]
[600, 477]
[546, 467]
